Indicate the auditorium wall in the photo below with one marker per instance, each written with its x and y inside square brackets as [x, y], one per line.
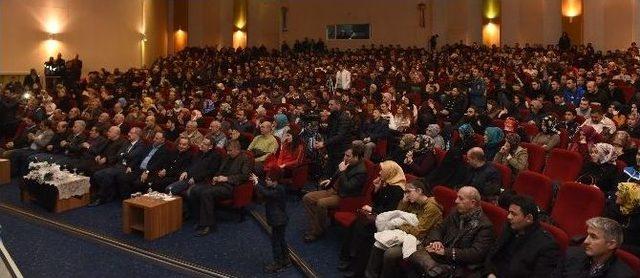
[104, 35]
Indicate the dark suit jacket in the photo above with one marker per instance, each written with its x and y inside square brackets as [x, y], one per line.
[532, 254]
[73, 148]
[576, 265]
[131, 157]
[204, 165]
[178, 162]
[96, 147]
[236, 169]
[55, 142]
[158, 161]
[338, 132]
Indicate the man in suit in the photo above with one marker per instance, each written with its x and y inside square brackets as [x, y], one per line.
[234, 170]
[177, 162]
[128, 158]
[85, 158]
[524, 249]
[196, 169]
[152, 163]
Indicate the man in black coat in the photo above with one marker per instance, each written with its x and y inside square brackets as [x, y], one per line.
[460, 244]
[338, 136]
[128, 159]
[201, 167]
[483, 175]
[373, 131]
[524, 249]
[598, 258]
[234, 170]
[348, 181]
[177, 163]
[153, 162]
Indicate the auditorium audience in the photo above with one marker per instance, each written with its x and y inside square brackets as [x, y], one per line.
[317, 115]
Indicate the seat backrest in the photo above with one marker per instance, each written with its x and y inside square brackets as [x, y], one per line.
[632, 261]
[563, 165]
[440, 154]
[505, 174]
[537, 186]
[445, 197]
[373, 171]
[564, 139]
[496, 214]
[575, 204]
[558, 234]
[536, 158]
[530, 129]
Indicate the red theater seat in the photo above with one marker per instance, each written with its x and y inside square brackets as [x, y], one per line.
[505, 174]
[537, 186]
[496, 214]
[536, 157]
[445, 197]
[575, 204]
[632, 261]
[558, 234]
[563, 165]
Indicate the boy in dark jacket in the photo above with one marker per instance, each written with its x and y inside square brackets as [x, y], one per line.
[274, 195]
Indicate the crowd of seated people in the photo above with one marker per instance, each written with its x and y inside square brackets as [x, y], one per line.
[200, 121]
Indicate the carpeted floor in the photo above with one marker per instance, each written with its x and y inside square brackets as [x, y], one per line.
[42, 252]
[240, 249]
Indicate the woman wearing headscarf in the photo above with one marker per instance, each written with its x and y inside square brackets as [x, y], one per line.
[625, 147]
[601, 168]
[388, 191]
[281, 126]
[512, 154]
[548, 137]
[421, 160]
[625, 208]
[583, 141]
[385, 263]
[493, 137]
[433, 131]
[452, 171]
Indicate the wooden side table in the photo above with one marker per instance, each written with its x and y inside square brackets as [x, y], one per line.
[153, 217]
[5, 171]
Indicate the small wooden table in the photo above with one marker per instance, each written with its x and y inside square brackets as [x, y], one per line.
[154, 217]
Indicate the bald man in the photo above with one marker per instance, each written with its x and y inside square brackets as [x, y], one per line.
[462, 240]
[264, 144]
